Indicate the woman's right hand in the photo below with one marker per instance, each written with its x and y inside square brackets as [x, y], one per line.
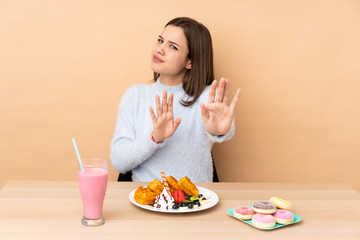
[164, 125]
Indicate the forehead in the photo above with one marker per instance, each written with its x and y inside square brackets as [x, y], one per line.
[174, 34]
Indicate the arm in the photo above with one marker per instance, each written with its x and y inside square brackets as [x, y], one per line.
[129, 150]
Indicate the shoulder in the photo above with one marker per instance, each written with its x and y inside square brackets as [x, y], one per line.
[137, 90]
[133, 95]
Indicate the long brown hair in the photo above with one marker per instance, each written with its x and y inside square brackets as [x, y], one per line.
[199, 43]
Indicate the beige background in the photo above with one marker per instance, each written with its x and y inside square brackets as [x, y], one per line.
[64, 66]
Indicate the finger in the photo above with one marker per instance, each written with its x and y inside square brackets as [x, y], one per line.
[212, 92]
[220, 92]
[226, 91]
[164, 102]
[170, 103]
[235, 99]
[158, 109]
[204, 112]
[177, 123]
[152, 114]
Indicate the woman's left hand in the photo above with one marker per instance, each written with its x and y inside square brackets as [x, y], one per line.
[217, 114]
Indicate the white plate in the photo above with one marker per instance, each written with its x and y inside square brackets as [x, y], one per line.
[214, 199]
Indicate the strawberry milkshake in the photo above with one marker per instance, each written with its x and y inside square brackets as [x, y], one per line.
[92, 185]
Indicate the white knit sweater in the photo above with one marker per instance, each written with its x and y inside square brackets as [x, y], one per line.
[186, 153]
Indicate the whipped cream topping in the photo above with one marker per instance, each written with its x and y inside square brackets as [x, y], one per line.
[204, 200]
[164, 200]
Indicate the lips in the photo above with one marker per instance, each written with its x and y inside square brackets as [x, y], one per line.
[157, 59]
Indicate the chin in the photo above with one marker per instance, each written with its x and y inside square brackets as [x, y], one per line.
[157, 70]
[154, 68]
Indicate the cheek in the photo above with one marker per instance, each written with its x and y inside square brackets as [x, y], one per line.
[153, 50]
[181, 60]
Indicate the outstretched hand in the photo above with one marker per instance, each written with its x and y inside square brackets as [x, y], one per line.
[164, 125]
[217, 114]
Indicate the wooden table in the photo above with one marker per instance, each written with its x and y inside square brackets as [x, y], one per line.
[52, 210]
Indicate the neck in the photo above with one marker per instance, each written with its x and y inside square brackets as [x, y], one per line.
[171, 80]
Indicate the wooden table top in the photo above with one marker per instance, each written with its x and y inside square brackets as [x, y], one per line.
[53, 210]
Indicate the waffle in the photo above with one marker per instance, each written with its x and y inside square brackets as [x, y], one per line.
[172, 183]
[156, 186]
[144, 195]
[188, 187]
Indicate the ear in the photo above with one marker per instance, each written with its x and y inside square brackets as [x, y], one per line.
[188, 65]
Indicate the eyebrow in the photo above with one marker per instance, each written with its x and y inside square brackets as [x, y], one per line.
[170, 41]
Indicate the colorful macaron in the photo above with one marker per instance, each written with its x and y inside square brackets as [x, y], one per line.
[243, 212]
[263, 221]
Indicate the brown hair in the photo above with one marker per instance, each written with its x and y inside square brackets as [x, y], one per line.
[199, 43]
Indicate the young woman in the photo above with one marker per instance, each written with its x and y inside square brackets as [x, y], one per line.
[175, 134]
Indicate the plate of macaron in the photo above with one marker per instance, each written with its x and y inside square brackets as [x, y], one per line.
[266, 215]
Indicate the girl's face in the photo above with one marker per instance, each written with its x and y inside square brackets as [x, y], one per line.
[169, 54]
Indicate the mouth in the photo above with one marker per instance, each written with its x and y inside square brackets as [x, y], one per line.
[157, 59]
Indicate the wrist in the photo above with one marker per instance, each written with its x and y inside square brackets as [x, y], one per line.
[154, 139]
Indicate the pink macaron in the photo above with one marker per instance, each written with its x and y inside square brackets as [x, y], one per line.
[243, 212]
[283, 216]
[263, 221]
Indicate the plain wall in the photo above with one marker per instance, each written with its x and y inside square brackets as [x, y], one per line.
[64, 66]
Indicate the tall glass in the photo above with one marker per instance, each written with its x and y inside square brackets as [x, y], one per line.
[92, 185]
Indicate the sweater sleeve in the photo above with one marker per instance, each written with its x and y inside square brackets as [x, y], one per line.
[128, 150]
[225, 137]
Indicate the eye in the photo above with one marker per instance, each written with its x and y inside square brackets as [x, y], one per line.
[160, 40]
[174, 47]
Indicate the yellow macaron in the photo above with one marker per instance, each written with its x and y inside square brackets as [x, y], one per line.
[280, 203]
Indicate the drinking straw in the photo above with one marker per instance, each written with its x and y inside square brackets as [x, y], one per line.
[78, 155]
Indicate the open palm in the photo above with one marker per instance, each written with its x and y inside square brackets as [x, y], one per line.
[217, 114]
[164, 125]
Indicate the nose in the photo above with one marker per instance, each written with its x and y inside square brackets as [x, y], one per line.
[160, 49]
